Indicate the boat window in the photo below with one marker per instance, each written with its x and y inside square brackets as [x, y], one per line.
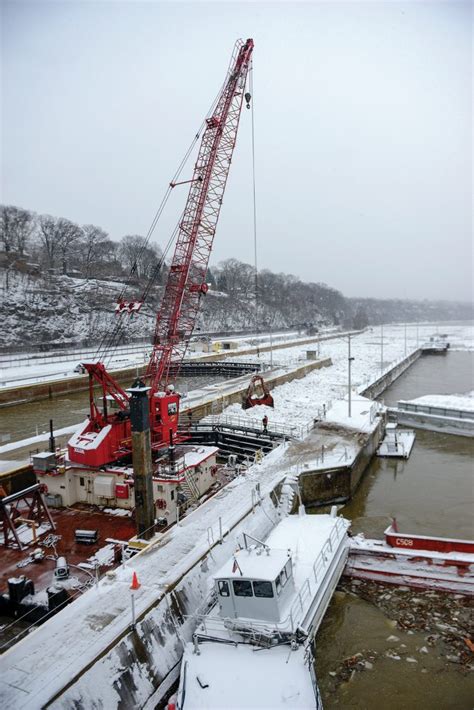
[223, 588]
[263, 589]
[288, 569]
[242, 588]
[278, 584]
[281, 580]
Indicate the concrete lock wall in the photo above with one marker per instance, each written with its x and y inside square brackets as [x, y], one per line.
[431, 422]
[337, 485]
[380, 384]
[35, 392]
[142, 664]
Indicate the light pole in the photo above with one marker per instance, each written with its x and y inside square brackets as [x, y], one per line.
[417, 333]
[349, 363]
[381, 347]
[405, 339]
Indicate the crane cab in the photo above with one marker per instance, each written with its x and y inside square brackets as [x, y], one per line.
[256, 583]
[165, 416]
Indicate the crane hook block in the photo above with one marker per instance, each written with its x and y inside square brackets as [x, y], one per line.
[199, 288]
[247, 98]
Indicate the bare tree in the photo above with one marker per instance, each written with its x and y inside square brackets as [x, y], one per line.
[138, 257]
[93, 240]
[16, 228]
[69, 235]
[235, 277]
[59, 237]
[48, 233]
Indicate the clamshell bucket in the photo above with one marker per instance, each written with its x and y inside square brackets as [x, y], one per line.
[257, 393]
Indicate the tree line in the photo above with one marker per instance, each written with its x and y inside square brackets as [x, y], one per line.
[58, 245]
[49, 245]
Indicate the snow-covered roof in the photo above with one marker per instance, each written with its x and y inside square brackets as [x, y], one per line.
[198, 454]
[254, 563]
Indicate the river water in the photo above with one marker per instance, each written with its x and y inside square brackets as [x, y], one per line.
[431, 493]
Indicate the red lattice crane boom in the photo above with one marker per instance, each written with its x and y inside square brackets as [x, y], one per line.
[106, 436]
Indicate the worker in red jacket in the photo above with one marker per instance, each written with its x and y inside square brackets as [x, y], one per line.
[265, 423]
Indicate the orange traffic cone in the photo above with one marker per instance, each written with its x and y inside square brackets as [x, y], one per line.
[135, 583]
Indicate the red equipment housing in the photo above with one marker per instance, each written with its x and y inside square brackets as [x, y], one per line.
[106, 436]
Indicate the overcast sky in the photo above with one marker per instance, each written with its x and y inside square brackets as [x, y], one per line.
[363, 120]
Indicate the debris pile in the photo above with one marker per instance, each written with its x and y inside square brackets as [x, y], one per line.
[445, 618]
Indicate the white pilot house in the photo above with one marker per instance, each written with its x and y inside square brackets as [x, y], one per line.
[256, 583]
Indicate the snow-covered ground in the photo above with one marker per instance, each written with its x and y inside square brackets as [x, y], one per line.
[302, 400]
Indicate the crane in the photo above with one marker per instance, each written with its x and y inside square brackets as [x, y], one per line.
[106, 435]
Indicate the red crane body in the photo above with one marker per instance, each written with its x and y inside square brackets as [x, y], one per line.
[106, 436]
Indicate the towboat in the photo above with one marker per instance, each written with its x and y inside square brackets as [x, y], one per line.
[420, 561]
[253, 648]
[397, 443]
[436, 345]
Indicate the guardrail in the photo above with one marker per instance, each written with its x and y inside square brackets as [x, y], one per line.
[434, 409]
[296, 431]
[325, 457]
[371, 381]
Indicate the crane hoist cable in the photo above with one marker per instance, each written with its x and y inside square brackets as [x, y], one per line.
[254, 191]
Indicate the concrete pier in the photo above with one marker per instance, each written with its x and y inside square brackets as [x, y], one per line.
[334, 474]
[388, 377]
[440, 419]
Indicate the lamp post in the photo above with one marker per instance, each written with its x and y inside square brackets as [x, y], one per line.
[381, 347]
[349, 364]
[405, 339]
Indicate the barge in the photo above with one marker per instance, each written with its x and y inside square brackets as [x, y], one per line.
[420, 561]
[253, 649]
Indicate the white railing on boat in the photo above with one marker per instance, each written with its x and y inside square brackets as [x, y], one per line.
[309, 587]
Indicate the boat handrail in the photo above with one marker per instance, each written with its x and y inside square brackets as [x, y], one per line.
[319, 566]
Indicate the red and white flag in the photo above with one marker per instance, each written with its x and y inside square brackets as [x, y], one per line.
[236, 567]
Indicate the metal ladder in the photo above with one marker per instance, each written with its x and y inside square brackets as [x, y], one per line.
[190, 487]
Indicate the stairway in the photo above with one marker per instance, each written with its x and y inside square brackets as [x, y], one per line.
[190, 487]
